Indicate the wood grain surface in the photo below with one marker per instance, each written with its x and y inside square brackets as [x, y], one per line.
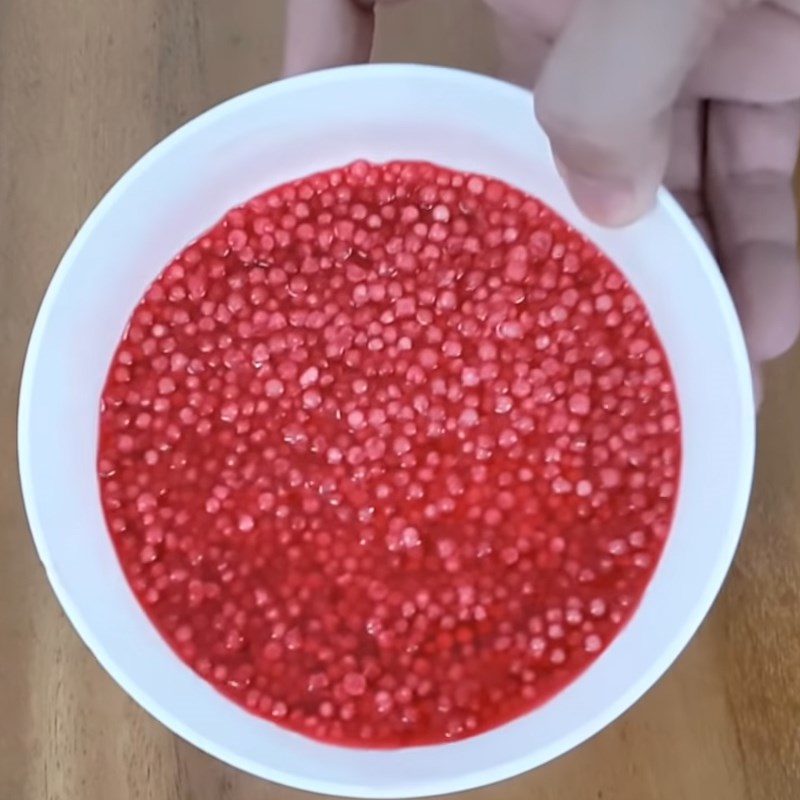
[86, 87]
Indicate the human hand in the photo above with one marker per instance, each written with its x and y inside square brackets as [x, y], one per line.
[701, 94]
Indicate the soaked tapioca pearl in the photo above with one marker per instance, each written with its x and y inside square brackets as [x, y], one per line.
[389, 454]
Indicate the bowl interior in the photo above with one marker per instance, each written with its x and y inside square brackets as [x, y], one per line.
[277, 133]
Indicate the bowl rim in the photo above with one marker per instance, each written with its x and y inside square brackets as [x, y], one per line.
[468, 779]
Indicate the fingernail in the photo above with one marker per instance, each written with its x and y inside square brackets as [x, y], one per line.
[604, 200]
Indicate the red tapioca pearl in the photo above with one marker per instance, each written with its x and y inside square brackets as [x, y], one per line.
[592, 643]
[579, 404]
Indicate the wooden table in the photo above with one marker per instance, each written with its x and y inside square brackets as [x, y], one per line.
[87, 86]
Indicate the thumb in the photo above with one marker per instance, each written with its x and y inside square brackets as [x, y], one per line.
[327, 33]
[606, 92]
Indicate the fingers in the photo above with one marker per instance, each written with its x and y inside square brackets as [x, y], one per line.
[754, 57]
[684, 175]
[606, 92]
[326, 33]
[752, 152]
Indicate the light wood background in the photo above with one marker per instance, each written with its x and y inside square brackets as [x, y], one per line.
[86, 87]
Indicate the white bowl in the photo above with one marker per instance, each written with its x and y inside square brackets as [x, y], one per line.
[263, 138]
